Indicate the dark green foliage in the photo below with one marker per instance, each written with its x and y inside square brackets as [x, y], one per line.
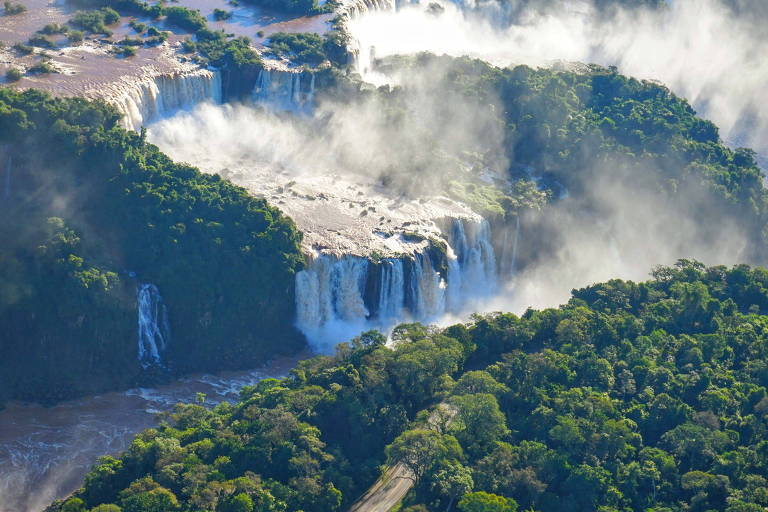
[54, 28]
[23, 49]
[131, 42]
[139, 27]
[127, 51]
[43, 67]
[221, 14]
[188, 46]
[300, 48]
[570, 127]
[119, 207]
[13, 75]
[96, 21]
[12, 8]
[75, 36]
[41, 41]
[184, 18]
[631, 397]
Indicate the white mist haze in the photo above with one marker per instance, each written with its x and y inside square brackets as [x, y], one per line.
[707, 51]
[618, 230]
[619, 226]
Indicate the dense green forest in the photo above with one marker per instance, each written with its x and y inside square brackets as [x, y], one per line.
[91, 210]
[630, 397]
[572, 127]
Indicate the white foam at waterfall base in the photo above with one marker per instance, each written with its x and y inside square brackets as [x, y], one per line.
[154, 330]
[153, 98]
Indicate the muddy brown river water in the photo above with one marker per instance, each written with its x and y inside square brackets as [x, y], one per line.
[46, 451]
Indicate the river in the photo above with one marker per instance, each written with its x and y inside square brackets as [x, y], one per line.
[46, 451]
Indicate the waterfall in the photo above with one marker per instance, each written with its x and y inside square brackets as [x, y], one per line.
[339, 297]
[391, 290]
[474, 273]
[152, 98]
[356, 8]
[282, 90]
[330, 292]
[427, 289]
[508, 261]
[154, 329]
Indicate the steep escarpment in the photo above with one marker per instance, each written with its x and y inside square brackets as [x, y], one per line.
[121, 265]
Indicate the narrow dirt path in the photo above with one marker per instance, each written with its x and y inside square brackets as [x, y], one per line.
[386, 492]
[394, 484]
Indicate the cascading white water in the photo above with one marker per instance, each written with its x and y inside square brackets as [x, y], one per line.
[427, 289]
[331, 292]
[329, 295]
[391, 290]
[154, 329]
[474, 273]
[282, 90]
[152, 98]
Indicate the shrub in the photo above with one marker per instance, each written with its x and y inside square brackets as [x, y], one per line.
[127, 51]
[42, 68]
[221, 14]
[95, 21]
[157, 40]
[13, 8]
[302, 48]
[186, 19]
[23, 49]
[75, 36]
[110, 15]
[131, 42]
[138, 26]
[54, 28]
[41, 41]
[13, 75]
[153, 31]
[188, 46]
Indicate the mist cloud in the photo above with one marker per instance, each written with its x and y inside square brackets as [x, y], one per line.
[711, 52]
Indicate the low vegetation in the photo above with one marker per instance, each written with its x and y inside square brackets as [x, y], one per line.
[14, 75]
[53, 29]
[12, 8]
[95, 21]
[221, 14]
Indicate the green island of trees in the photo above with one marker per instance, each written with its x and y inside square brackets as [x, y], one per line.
[631, 397]
[91, 211]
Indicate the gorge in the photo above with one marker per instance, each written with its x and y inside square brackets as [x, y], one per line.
[410, 187]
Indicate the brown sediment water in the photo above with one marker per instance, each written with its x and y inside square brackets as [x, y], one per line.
[46, 451]
[92, 69]
[248, 20]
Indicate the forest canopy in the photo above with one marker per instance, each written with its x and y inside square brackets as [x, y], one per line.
[93, 210]
[631, 397]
